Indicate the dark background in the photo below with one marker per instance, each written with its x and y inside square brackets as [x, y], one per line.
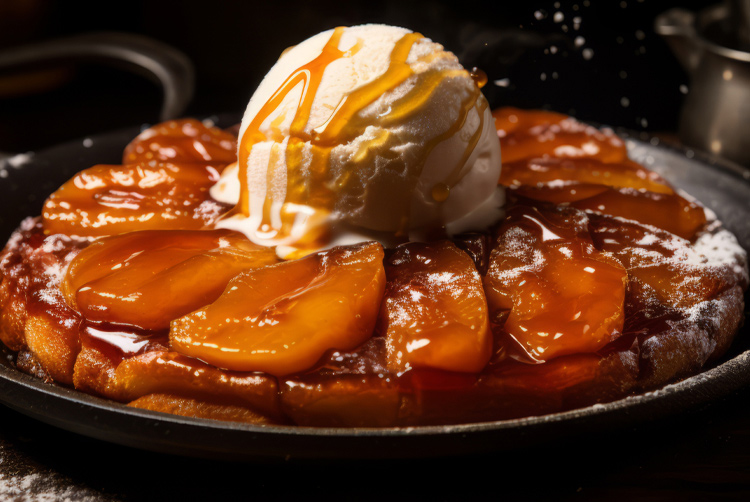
[620, 73]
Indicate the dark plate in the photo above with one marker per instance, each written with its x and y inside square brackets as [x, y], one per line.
[26, 181]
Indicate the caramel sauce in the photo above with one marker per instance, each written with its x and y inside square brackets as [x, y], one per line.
[440, 192]
[479, 77]
[118, 343]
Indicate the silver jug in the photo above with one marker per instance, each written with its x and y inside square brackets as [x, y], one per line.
[716, 113]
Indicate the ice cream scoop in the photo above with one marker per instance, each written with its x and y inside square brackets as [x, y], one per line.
[362, 130]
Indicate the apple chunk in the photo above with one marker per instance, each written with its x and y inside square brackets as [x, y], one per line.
[282, 319]
[110, 200]
[435, 310]
[556, 292]
[146, 279]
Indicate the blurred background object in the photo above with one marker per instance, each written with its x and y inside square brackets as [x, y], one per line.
[26, 65]
[713, 46]
[600, 61]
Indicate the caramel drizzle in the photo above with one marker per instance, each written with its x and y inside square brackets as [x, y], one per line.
[338, 128]
[441, 191]
[310, 76]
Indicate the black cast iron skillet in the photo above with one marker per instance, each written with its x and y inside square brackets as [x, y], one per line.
[26, 180]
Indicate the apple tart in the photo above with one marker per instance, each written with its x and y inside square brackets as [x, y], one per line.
[601, 281]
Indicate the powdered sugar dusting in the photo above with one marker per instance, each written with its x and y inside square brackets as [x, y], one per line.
[518, 243]
[721, 248]
[25, 482]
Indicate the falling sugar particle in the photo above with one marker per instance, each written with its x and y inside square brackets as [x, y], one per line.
[557, 5]
[623, 5]
[540, 14]
[620, 40]
[503, 82]
[642, 49]
[543, 76]
[17, 161]
[625, 102]
[644, 123]
[555, 75]
[587, 53]
[558, 17]
[586, 3]
[683, 89]
[88, 142]
[575, 6]
[553, 49]
[576, 22]
[623, 74]
[640, 35]
[564, 28]
[579, 41]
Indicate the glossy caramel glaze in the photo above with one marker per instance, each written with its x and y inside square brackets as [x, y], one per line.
[578, 296]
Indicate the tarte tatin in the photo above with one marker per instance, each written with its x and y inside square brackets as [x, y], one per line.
[601, 281]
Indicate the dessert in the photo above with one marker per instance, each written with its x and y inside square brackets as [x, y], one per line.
[365, 261]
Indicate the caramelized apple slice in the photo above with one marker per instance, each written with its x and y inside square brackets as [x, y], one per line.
[183, 141]
[282, 319]
[625, 174]
[146, 279]
[434, 310]
[538, 133]
[678, 275]
[560, 295]
[109, 200]
[669, 212]
[155, 370]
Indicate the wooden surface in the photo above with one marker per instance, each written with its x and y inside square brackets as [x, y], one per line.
[704, 454]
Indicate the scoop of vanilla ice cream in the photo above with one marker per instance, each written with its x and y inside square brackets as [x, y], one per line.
[419, 154]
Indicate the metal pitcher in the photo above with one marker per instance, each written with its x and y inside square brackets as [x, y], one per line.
[716, 113]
